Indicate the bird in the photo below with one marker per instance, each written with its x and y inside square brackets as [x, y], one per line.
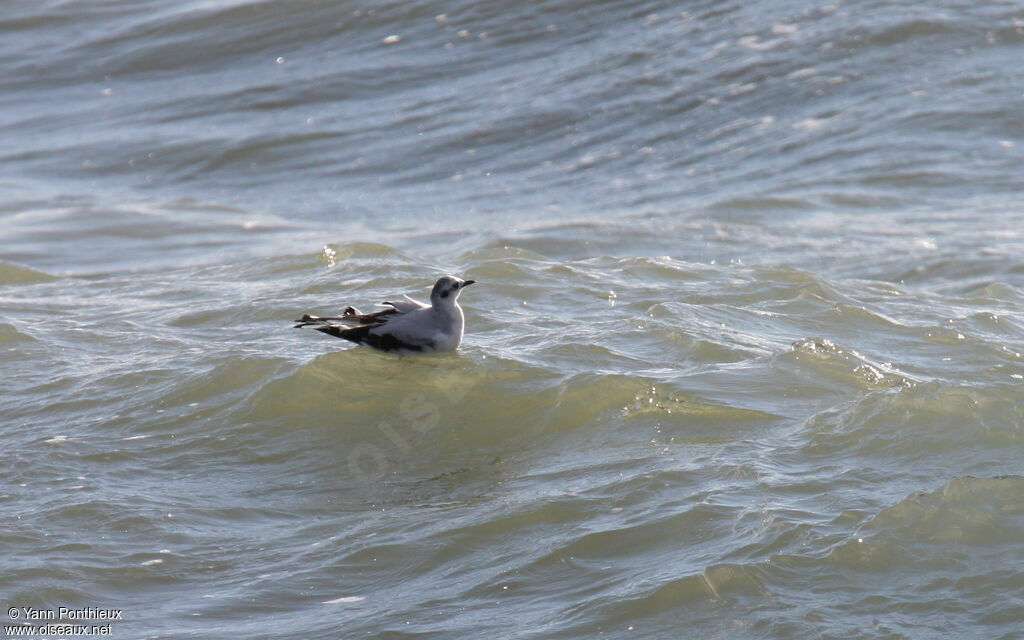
[406, 326]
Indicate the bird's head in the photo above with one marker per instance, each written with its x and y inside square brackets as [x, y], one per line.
[447, 289]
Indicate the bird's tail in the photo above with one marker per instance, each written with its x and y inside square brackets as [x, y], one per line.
[350, 316]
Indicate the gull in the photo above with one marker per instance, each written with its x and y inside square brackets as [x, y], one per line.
[406, 326]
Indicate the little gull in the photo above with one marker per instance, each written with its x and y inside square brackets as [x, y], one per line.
[406, 326]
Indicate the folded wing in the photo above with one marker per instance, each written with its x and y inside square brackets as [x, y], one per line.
[407, 305]
[406, 326]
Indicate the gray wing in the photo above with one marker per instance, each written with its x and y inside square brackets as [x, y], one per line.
[406, 306]
[373, 329]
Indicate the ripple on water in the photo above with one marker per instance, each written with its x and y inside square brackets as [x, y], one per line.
[10, 333]
[966, 511]
[14, 275]
[820, 358]
[920, 421]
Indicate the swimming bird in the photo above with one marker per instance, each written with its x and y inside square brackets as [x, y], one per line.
[406, 326]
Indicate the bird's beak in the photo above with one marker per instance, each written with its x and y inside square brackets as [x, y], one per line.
[468, 282]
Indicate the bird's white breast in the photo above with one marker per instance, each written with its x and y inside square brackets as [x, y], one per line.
[450, 340]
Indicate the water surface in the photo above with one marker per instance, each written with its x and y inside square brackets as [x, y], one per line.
[744, 360]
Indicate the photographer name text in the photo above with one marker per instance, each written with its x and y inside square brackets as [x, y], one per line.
[63, 613]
